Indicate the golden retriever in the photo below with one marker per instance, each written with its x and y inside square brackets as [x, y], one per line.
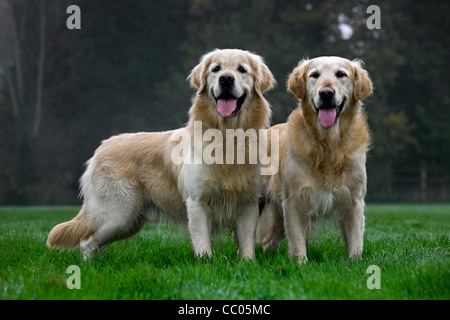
[134, 178]
[322, 154]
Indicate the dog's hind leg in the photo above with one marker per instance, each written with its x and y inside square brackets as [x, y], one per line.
[110, 230]
[111, 218]
[270, 229]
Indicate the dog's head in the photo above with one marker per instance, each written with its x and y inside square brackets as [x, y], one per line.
[230, 78]
[329, 86]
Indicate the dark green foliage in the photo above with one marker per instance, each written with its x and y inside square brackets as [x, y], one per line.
[126, 69]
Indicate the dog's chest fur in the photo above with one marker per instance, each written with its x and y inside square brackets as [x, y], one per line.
[222, 185]
[325, 172]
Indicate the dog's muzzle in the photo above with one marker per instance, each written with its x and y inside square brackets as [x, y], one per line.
[328, 111]
[227, 103]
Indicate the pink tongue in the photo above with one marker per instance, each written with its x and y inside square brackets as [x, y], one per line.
[226, 106]
[327, 117]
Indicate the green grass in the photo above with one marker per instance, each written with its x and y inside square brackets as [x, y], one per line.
[409, 243]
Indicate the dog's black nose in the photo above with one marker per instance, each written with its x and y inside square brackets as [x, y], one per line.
[226, 79]
[326, 93]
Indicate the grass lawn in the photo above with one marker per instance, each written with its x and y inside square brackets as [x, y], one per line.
[409, 244]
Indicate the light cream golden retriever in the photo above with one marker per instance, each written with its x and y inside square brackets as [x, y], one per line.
[134, 178]
[322, 158]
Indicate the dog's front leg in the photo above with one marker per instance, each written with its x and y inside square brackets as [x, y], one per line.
[199, 224]
[295, 224]
[352, 225]
[246, 222]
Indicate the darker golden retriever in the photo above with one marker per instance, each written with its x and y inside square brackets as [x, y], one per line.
[322, 158]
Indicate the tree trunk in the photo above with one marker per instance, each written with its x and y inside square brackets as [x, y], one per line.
[423, 182]
[40, 75]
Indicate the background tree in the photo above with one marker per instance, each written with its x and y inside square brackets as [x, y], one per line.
[63, 91]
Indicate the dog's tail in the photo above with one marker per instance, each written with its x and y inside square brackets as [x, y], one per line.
[68, 234]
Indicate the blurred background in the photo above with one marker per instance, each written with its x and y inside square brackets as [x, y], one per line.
[63, 91]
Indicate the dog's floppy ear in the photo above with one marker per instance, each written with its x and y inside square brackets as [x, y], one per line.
[297, 79]
[197, 77]
[362, 84]
[264, 79]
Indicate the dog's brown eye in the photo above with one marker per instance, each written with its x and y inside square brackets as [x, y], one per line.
[241, 69]
[216, 69]
[314, 75]
[340, 74]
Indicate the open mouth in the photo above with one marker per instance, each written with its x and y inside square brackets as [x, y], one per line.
[328, 114]
[228, 105]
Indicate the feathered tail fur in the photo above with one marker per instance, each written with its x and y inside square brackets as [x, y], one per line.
[68, 234]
